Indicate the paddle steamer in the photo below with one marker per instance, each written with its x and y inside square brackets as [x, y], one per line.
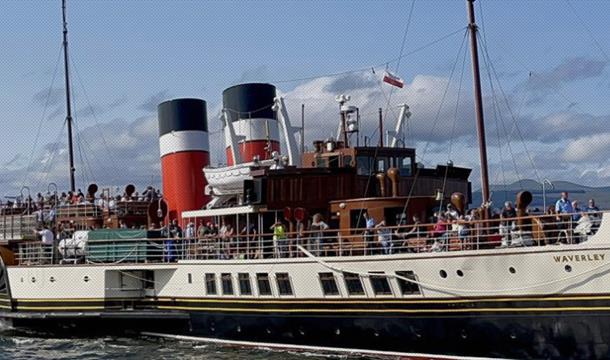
[335, 286]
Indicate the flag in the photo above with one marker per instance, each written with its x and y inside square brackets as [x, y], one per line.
[393, 80]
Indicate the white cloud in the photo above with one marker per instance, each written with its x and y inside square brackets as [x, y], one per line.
[590, 149]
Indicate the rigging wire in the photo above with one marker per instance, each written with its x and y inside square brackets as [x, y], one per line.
[402, 48]
[368, 68]
[96, 120]
[51, 156]
[451, 138]
[588, 30]
[512, 115]
[436, 118]
[42, 118]
[497, 111]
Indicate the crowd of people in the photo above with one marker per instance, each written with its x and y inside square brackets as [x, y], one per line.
[50, 200]
[222, 240]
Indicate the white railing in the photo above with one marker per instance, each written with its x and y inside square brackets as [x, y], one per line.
[459, 236]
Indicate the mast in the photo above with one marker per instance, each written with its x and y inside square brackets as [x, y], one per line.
[478, 100]
[68, 102]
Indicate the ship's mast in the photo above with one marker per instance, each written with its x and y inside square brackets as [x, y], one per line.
[68, 102]
[478, 100]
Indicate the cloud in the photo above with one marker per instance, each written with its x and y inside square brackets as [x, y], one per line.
[591, 149]
[126, 150]
[151, 103]
[569, 70]
[99, 109]
[49, 96]
[562, 126]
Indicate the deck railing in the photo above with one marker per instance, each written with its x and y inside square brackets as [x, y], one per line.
[459, 236]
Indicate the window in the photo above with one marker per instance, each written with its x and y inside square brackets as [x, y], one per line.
[210, 284]
[262, 280]
[404, 166]
[406, 287]
[320, 162]
[347, 161]
[380, 285]
[227, 284]
[363, 165]
[382, 164]
[283, 283]
[329, 286]
[353, 284]
[244, 284]
[333, 162]
[190, 278]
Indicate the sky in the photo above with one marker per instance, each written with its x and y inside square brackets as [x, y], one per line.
[545, 70]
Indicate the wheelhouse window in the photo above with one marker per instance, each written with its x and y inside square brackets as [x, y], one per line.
[380, 284]
[329, 285]
[321, 162]
[382, 164]
[262, 281]
[353, 284]
[363, 165]
[244, 284]
[227, 284]
[283, 283]
[407, 287]
[210, 284]
[404, 166]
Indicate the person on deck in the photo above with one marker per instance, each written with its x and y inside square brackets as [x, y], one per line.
[368, 233]
[507, 225]
[594, 215]
[317, 227]
[564, 211]
[439, 234]
[47, 239]
[384, 236]
[577, 210]
[280, 242]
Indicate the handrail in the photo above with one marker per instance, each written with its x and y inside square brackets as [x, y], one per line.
[331, 243]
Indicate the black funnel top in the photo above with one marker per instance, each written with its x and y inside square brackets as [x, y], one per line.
[181, 115]
[252, 100]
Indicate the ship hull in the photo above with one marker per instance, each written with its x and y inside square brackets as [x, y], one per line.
[552, 335]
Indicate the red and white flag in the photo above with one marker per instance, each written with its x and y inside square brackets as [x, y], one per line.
[393, 80]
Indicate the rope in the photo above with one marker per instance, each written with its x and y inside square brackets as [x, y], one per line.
[44, 114]
[589, 32]
[434, 286]
[436, 118]
[95, 118]
[510, 111]
[368, 68]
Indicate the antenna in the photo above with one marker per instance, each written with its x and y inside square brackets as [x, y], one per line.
[68, 102]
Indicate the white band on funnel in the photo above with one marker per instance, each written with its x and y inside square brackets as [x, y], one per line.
[254, 129]
[187, 140]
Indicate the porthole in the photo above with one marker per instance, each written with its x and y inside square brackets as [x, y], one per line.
[443, 274]
[512, 270]
[460, 273]
[33, 279]
[568, 268]
[52, 279]
[86, 278]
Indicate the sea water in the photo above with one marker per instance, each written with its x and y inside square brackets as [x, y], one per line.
[17, 346]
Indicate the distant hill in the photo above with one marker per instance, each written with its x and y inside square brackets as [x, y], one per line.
[582, 193]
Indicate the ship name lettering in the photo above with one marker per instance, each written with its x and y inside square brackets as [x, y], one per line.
[579, 258]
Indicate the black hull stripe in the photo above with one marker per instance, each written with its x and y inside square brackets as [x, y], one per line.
[207, 305]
